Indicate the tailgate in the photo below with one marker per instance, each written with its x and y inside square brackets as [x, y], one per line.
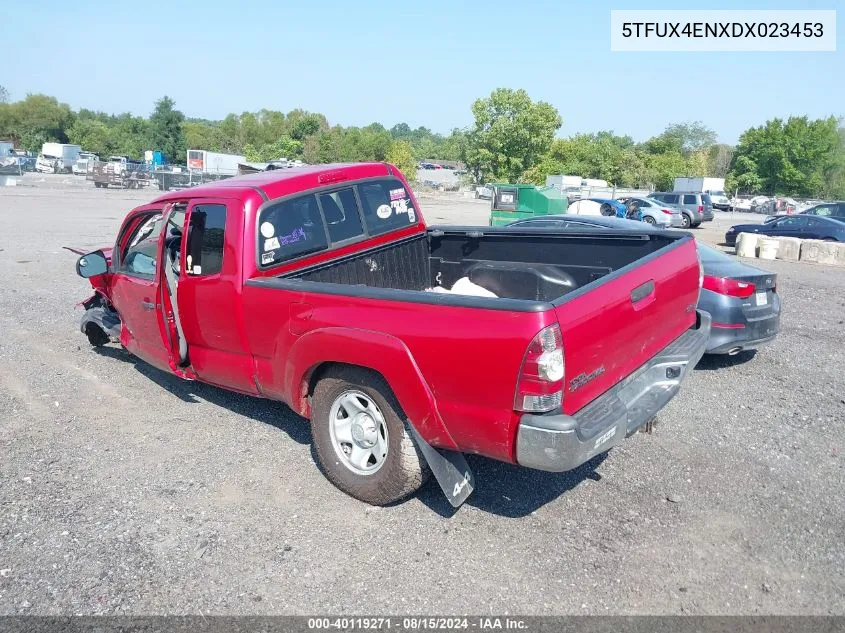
[617, 323]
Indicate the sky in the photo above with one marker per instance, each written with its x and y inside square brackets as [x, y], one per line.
[421, 62]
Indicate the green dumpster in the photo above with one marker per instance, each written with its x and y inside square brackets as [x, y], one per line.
[515, 202]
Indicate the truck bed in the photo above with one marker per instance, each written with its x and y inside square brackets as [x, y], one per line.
[527, 265]
[618, 297]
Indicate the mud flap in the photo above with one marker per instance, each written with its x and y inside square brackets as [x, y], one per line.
[450, 469]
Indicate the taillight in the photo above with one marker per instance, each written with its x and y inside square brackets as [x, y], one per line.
[540, 384]
[729, 287]
[666, 211]
[701, 208]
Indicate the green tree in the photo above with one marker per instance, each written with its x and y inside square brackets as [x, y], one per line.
[798, 156]
[511, 133]
[35, 120]
[400, 154]
[165, 129]
[251, 154]
[4, 95]
[687, 137]
[92, 135]
[283, 147]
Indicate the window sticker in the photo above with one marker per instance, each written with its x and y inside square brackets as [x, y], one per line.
[396, 194]
[384, 211]
[412, 217]
[267, 229]
[297, 235]
[400, 206]
[271, 244]
[267, 258]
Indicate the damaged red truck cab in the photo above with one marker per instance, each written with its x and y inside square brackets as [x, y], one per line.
[322, 287]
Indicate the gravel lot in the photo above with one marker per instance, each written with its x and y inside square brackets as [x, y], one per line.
[125, 490]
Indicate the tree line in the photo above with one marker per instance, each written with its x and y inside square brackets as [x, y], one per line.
[512, 139]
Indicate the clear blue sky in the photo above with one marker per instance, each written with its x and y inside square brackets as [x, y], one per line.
[422, 62]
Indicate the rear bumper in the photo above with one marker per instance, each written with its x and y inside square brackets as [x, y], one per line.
[559, 442]
[753, 335]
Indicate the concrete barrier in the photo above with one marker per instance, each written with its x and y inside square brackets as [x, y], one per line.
[746, 245]
[789, 249]
[839, 250]
[768, 247]
[810, 250]
[828, 252]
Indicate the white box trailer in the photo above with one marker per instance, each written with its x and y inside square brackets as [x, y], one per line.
[563, 182]
[214, 162]
[713, 186]
[6, 148]
[57, 157]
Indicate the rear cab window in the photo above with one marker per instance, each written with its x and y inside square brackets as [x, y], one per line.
[387, 206]
[290, 229]
[314, 222]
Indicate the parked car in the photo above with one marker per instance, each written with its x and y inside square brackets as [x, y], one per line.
[695, 207]
[656, 212]
[484, 192]
[805, 226]
[607, 207]
[740, 204]
[403, 344]
[742, 300]
[827, 209]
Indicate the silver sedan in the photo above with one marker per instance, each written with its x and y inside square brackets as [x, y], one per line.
[655, 212]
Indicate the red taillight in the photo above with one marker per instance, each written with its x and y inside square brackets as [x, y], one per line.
[701, 208]
[539, 387]
[666, 211]
[729, 287]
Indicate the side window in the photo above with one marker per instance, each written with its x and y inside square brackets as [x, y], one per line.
[341, 212]
[290, 229]
[139, 254]
[387, 206]
[690, 199]
[205, 239]
[671, 198]
[825, 210]
[840, 212]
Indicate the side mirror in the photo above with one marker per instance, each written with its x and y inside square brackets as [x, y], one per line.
[92, 264]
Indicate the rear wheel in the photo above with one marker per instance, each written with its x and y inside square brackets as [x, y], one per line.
[687, 220]
[649, 220]
[361, 437]
[607, 210]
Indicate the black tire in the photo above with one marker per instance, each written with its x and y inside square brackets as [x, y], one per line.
[95, 335]
[404, 470]
[687, 220]
[649, 220]
[696, 225]
[606, 210]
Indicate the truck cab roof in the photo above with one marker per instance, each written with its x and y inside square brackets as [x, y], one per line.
[277, 183]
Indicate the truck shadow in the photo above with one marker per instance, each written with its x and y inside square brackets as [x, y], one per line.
[511, 491]
[711, 362]
[502, 489]
[269, 412]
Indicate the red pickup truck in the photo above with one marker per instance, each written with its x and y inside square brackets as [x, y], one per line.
[322, 287]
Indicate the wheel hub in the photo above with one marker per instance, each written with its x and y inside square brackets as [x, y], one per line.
[364, 430]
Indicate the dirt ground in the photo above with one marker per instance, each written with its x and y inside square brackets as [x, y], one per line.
[128, 491]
